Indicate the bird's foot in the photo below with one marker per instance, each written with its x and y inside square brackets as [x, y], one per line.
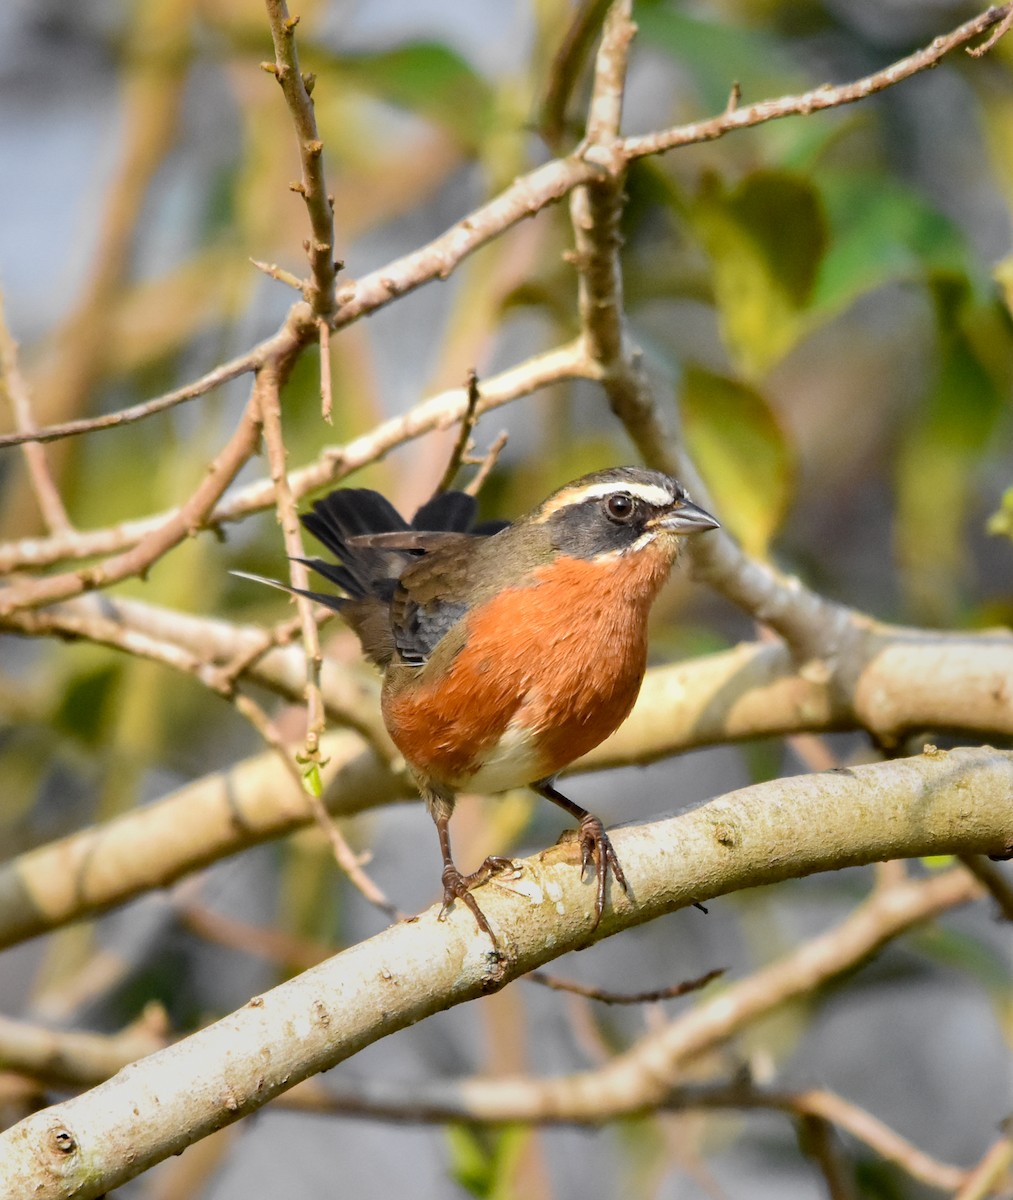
[597, 854]
[458, 887]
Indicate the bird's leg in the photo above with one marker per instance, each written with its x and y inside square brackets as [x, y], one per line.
[457, 886]
[595, 847]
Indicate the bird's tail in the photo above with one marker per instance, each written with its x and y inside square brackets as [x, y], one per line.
[373, 544]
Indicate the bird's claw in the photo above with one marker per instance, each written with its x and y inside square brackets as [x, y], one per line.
[596, 853]
[458, 887]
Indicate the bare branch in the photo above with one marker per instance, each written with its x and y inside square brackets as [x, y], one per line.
[992, 1172]
[185, 522]
[326, 394]
[824, 97]
[13, 386]
[269, 401]
[603, 996]
[243, 365]
[96, 868]
[319, 293]
[999, 32]
[486, 463]
[460, 449]
[567, 65]
[993, 880]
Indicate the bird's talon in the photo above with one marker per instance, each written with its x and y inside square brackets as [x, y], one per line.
[596, 851]
[458, 887]
[494, 864]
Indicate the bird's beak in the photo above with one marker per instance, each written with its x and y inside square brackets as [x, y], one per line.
[687, 518]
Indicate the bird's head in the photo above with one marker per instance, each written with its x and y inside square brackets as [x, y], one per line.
[618, 512]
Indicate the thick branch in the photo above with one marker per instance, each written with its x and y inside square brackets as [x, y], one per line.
[770, 832]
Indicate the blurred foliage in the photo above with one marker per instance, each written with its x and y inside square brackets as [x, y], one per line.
[482, 1161]
[1001, 521]
[737, 443]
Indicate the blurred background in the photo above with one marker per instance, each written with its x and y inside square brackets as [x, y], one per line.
[823, 303]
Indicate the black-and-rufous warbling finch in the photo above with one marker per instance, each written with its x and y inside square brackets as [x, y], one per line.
[506, 655]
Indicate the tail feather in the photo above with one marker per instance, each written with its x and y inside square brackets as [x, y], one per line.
[452, 512]
[348, 513]
[328, 599]
[368, 574]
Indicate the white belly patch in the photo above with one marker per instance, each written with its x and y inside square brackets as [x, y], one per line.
[512, 762]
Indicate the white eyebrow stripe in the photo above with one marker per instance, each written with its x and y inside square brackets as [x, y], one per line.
[650, 493]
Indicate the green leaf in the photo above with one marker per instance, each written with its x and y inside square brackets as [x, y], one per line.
[430, 79]
[742, 452]
[966, 953]
[766, 240]
[311, 780]
[881, 232]
[937, 465]
[84, 709]
[1001, 522]
[483, 1161]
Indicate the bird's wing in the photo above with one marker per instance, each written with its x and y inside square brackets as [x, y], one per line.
[431, 596]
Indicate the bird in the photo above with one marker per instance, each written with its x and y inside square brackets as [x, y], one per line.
[507, 650]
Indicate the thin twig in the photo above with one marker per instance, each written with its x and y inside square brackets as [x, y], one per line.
[102, 630]
[823, 97]
[862, 1125]
[993, 38]
[992, 1172]
[486, 463]
[313, 187]
[349, 862]
[326, 394]
[818, 1140]
[468, 419]
[558, 984]
[282, 949]
[993, 878]
[269, 401]
[567, 65]
[273, 271]
[243, 365]
[308, 778]
[13, 385]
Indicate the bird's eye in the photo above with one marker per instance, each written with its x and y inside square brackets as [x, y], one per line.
[620, 507]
